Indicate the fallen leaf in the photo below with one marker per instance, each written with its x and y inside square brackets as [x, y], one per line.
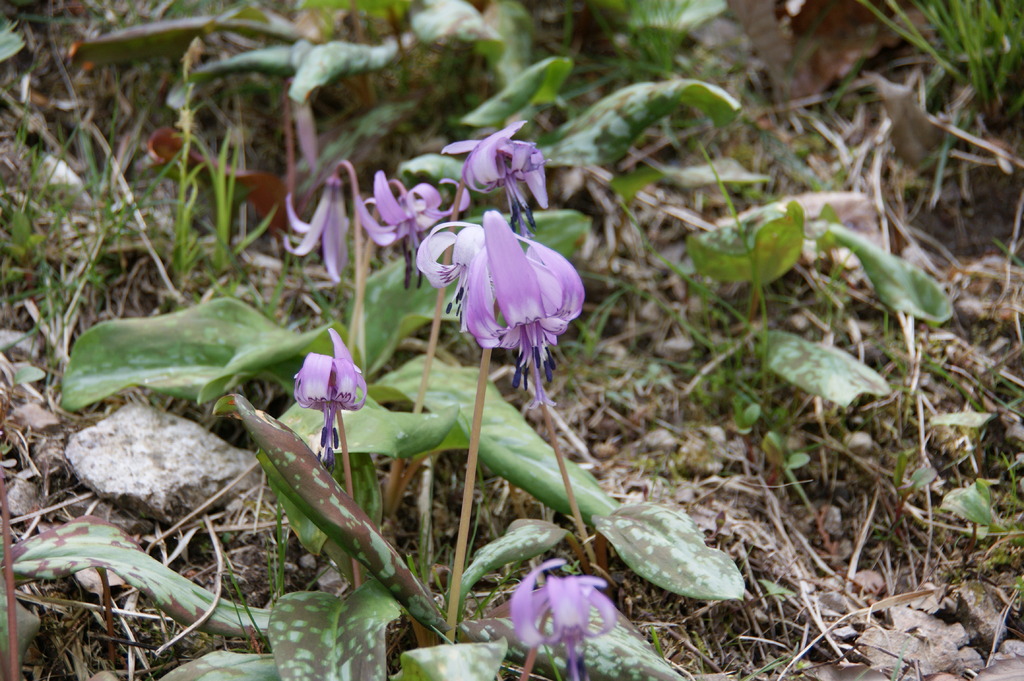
[1011, 669]
[912, 134]
[33, 415]
[91, 582]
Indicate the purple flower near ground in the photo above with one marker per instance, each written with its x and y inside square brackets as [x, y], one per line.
[405, 217]
[328, 226]
[500, 161]
[565, 602]
[329, 384]
[538, 292]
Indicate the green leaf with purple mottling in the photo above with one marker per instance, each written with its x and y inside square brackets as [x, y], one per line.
[525, 539]
[820, 370]
[462, 662]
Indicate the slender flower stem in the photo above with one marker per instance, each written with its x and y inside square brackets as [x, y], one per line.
[358, 335]
[12, 671]
[531, 657]
[581, 528]
[455, 585]
[346, 463]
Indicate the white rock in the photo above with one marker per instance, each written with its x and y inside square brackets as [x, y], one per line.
[155, 464]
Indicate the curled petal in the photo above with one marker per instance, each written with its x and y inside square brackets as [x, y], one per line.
[428, 253]
[528, 606]
[390, 210]
[340, 349]
[462, 147]
[312, 383]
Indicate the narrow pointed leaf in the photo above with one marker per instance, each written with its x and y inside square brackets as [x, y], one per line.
[538, 84]
[450, 19]
[509, 446]
[312, 489]
[899, 284]
[824, 371]
[664, 546]
[319, 636]
[524, 540]
[464, 662]
[89, 542]
[604, 132]
[224, 666]
[324, 64]
[620, 655]
[222, 342]
[278, 60]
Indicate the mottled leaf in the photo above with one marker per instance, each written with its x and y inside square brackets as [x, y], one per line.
[312, 489]
[605, 131]
[525, 539]
[278, 60]
[899, 284]
[172, 37]
[972, 503]
[462, 662]
[828, 372]
[724, 170]
[224, 666]
[319, 636]
[509, 446]
[963, 419]
[450, 19]
[538, 84]
[326, 63]
[620, 655]
[673, 15]
[664, 546]
[89, 542]
[196, 353]
[761, 250]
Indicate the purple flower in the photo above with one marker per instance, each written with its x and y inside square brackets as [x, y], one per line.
[468, 244]
[329, 384]
[329, 226]
[566, 602]
[498, 161]
[404, 218]
[538, 292]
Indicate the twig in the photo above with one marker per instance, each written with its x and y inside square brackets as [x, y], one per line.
[455, 587]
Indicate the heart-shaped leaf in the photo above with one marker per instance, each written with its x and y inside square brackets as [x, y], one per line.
[538, 84]
[89, 542]
[509, 446]
[664, 546]
[319, 636]
[525, 539]
[620, 655]
[224, 666]
[465, 662]
[763, 250]
[324, 64]
[316, 494]
[450, 19]
[899, 284]
[197, 353]
[828, 372]
[605, 131]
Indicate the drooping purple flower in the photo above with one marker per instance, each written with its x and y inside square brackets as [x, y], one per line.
[468, 245]
[499, 161]
[565, 602]
[329, 384]
[329, 226]
[405, 217]
[538, 292]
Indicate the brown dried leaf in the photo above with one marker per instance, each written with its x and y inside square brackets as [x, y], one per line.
[1011, 669]
[913, 134]
[853, 672]
[35, 416]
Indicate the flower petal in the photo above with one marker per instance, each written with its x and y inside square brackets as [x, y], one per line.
[515, 283]
[390, 210]
[312, 383]
[527, 606]
[429, 251]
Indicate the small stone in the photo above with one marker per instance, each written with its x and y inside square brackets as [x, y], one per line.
[155, 464]
[1011, 648]
[970, 659]
[860, 443]
[331, 582]
[1015, 435]
[307, 562]
[660, 439]
[22, 497]
[675, 347]
[978, 611]
[845, 633]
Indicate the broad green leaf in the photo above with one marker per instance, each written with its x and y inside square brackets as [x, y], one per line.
[678, 16]
[664, 546]
[316, 494]
[972, 503]
[563, 230]
[171, 38]
[27, 627]
[524, 540]
[197, 353]
[394, 312]
[762, 250]
[725, 170]
[538, 84]
[89, 542]
[462, 662]
[431, 167]
[605, 131]
[509, 446]
[509, 54]
[224, 666]
[620, 655]
[10, 41]
[450, 19]
[324, 64]
[827, 372]
[963, 419]
[899, 284]
[319, 636]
